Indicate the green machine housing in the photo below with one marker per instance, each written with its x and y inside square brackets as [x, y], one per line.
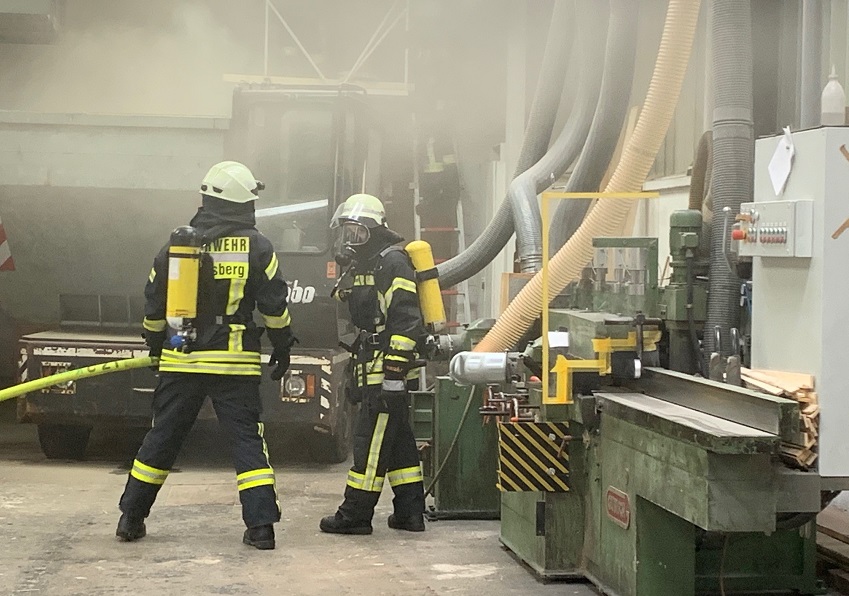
[674, 487]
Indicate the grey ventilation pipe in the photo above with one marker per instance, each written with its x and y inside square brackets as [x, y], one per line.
[733, 156]
[811, 79]
[564, 151]
[537, 136]
[619, 59]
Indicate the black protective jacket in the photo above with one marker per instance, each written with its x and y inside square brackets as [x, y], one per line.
[241, 273]
[384, 306]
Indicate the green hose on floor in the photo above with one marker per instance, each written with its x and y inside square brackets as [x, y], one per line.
[76, 375]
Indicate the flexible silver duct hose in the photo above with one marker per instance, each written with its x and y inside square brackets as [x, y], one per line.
[619, 59]
[537, 137]
[524, 189]
[732, 179]
[811, 79]
[638, 156]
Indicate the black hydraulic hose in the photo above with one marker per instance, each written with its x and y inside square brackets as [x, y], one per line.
[619, 58]
[524, 189]
[691, 321]
[733, 156]
[453, 444]
[537, 136]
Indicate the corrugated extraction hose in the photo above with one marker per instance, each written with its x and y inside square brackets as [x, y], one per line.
[619, 58]
[732, 179]
[550, 87]
[566, 148]
[607, 217]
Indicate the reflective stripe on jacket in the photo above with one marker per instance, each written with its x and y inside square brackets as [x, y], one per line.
[245, 274]
[384, 303]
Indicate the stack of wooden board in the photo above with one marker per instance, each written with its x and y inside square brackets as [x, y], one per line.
[802, 451]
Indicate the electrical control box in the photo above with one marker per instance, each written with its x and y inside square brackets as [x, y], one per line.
[800, 318]
[775, 229]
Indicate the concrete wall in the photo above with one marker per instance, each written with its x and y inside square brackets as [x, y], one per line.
[116, 152]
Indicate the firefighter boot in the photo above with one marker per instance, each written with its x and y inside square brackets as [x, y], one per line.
[261, 537]
[336, 524]
[130, 528]
[414, 523]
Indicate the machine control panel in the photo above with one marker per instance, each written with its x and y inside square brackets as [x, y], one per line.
[775, 229]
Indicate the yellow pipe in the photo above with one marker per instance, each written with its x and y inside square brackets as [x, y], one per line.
[607, 217]
[75, 375]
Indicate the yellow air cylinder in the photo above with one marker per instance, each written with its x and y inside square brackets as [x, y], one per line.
[184, 256]
[430, 296]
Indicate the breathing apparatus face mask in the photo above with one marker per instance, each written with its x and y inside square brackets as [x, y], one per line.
[351, 236]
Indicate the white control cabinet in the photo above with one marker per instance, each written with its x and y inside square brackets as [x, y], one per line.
[800, 306]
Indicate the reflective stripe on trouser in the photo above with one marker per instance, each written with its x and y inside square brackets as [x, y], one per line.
[383, 428]
[176, 403]
[149, 474]
[405, 476]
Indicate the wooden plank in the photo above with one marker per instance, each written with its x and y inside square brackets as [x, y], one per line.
[833, 549]
[811, 410]
[765, 387]
[834, 522]
[790, 382]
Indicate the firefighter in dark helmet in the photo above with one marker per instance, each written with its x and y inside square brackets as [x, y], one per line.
[384, 306]
[239, 272]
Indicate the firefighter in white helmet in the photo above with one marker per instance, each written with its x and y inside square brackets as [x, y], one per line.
[239, 271]
[385, 308]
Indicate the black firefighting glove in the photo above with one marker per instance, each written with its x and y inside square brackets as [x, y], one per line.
[155, 340]
[282, 340]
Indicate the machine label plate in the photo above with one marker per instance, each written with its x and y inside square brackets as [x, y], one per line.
[618, 507]
[533, 457]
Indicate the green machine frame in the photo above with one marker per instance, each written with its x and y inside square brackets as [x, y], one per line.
[453, 436]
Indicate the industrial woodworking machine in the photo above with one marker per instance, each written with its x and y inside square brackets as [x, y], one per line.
[655, 482]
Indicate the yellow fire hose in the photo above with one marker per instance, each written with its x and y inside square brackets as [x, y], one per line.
[75, 375]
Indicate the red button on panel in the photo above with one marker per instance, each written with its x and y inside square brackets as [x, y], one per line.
[738, 234]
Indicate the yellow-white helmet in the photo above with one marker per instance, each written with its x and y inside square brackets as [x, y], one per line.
[362, 209]
[231, 181]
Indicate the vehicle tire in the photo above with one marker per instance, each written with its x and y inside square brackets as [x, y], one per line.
[63, 441]
[334, 447]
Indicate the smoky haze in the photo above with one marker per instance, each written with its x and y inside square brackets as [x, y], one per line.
[155, 57]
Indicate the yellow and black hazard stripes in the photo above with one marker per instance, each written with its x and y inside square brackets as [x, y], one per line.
[533, 456]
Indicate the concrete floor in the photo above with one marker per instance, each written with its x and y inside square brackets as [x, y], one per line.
[57, 524]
